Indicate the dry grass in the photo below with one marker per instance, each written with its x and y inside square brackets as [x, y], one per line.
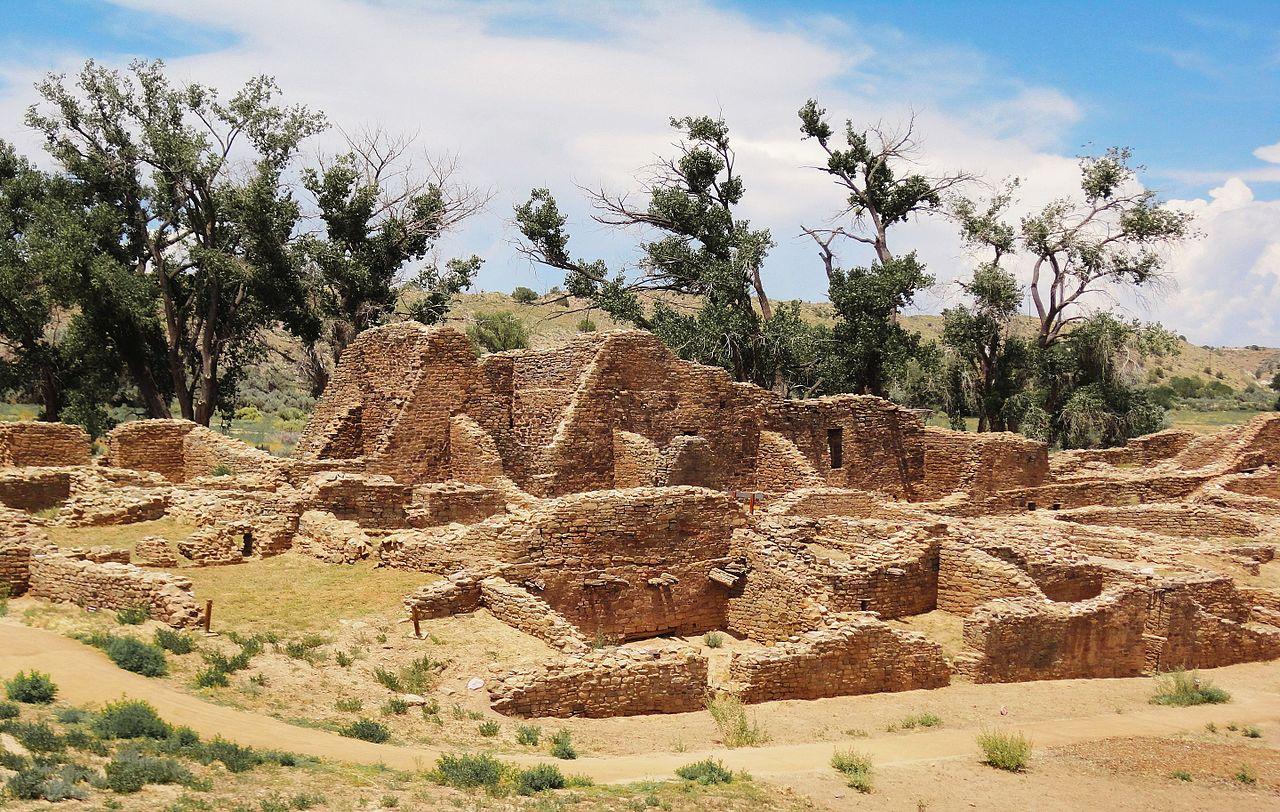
[121, 536]
[290, 593]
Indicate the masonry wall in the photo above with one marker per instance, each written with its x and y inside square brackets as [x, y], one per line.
[1192, 521]
[60, 578]
[33, 489]
[858, 656]
[1016, 640]
[150, 445]
[521, 610]
[980, 463]
[448, 502]
[969, 577]
[26, 443]
[374, 501]
[781, 594]
[15, 564]
[205, 452]
[606, 682]
[323, 536]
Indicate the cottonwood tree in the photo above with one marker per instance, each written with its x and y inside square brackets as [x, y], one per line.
[195, 252]
[702, 249]
[381, 211]
[874, 168]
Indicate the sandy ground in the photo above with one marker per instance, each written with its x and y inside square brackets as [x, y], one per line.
[1097, 743]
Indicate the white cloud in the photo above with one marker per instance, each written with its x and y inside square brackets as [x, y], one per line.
[1269, 153]
[532, 94]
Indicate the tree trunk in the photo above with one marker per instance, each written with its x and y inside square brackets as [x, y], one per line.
[50, 391]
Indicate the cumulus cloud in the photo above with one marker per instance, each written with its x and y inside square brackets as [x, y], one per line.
[565, 94]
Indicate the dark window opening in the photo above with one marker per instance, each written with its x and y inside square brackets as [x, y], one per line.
[864, 604]
[835, 445]
[246, 548]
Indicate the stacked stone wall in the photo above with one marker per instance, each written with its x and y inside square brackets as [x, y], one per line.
[1191, 521]
[606, 682]
[34, 489]
[858, 656]
[448, 502]
[520, 609]
[28, 443]
[206, 452]
[373, 501]
[328, 538]
[150, 445]
[455, 595]
[63, 579]
[980, 464]
[969, 577]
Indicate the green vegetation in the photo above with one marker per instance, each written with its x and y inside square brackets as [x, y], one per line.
[9, 710]
[562, 745]
[523, 295]
[1181, 775]
[133, 615]
[705, 772]
[489, 729]
[528, 735]
[33, 688]
[498, 331]
[1005, 751]
[130, 719]
[730, 716]
[174, 642]
[132, 654]
[482, 771]
[368, 730]
[713, 639]
[855, 767]
[915, 720]
[1246, 775]
[1182, 688]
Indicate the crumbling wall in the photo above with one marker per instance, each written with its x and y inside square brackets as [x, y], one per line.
[328, 538]
[34, 489]
[455, 595]
[448, 502]
[861, 655]
[15, 561]
[605, 682]
[1192, 521]
[520, 609]
[206, 452]
[984, 463]
[149, 445]
[969, 577]
[1016, 640]
[780, 595]
[820, 502]
[63, 579]
[372, 500]
[27, 443]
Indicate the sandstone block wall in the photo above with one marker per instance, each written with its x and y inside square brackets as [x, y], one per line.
[606, 682]
[328, 538]
[60, 578]
[455, 595]
[47, 444]
[969, 577]
[150, 445]
[447, 502]
[1193, 521]
[15, 564]
[520, 609]
[858, 656]
[980, 463]
[374, 501]
[205, 452]
[1016, 640]
[34, 489]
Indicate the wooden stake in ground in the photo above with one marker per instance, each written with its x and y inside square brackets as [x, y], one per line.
[417, 630]
[208, 615]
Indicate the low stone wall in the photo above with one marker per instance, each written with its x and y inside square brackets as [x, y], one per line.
[328, 538]
[822, 502]
[149, 445]
[859, 656]
[154, 551]
[61, 578]
[520, 609]
[606, 682]
[34, 489]
[968, 578]
[205, 452]
[213, 546]
[979, 463]
[447, 502]
[455, 595]
[15, 563]
[121, 505]
[1192, 521]
[372, 500]
[1025, 639]
[47, 444]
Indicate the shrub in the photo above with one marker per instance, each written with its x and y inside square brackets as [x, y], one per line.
[467, 771]
[4, 599]
[33, 688]
[10, 710]
[174, 641]
[236, 758]
[133, 615]
[586, 326]
[421, 676]
[1181, 688]
[539, 778]
[37, 737]
[1005, 751]
[489, 729]
[130, 719]
[72, 716]
[730, 717]
[498, 331]
[705, 772]
[1246, 775]
[855, 767]
[395, 706]
[1181, 775]
[28, 783]
[343, 659]
[528, 735]
[132, 654]
[130, 771]
[562, 745]
[351, 705]
[713, 639]
[917, 720]
[1251, 732]
[388, 679]
[221, 469]
[523, 295]
[368, 730]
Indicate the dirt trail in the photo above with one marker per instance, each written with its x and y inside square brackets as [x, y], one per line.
[85, 676]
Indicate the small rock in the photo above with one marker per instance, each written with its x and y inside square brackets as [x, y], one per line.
[413, 700]
[475, 684]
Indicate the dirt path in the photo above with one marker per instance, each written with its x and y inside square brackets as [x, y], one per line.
[85, 676]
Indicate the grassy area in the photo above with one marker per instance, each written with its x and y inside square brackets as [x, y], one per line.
[120, 536]
[1207, 422]
[290, 593]
[18, 411]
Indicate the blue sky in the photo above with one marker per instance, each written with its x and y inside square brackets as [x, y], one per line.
[564, 94]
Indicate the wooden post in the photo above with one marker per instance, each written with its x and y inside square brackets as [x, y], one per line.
[208, 615]
[417, 630]
[752, 503]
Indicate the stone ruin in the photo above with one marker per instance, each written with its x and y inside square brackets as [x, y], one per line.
[616, 502]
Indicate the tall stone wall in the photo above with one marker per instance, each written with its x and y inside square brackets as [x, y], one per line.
[858, 656]
[606, 682]
[150, 445]
[969, 577]
[980, 463]
[47, 444]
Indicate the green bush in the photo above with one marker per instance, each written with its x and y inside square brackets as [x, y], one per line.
[130, 771]
[523, 295]
[498, 331]
[916, 720]
[133, 615]
[28, 783]
[236, 758]
[528, 735]
[562, 745]
[368, 730]
[174, 641]
[9, 710]
[1005, 751]
[1181, 775]
[706, 772]
[4, 599]
[1182, 688]
[489, 729]
[131, 654]
[467, 771]
[855, 767]
[730, 716]
[395, 706]
[351, 705]
[33, 688]
[538, 779]
[212, 678]
[130, 719]
[37, 737]
[1246, 775]
[72, 716]
[586, 326]
[713, 639]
